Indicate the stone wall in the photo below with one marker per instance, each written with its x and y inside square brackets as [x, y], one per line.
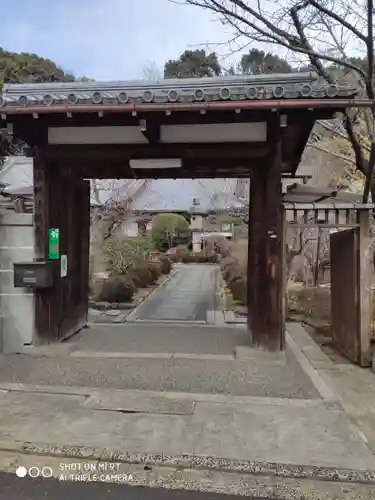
[16, 304]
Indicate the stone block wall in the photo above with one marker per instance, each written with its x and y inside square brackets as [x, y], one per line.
[16, 304]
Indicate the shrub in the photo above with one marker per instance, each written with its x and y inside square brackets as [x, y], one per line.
[232, 272]
[201, 257]
[227, 261]
[141, 275]
[167, 228]
[166, 264]
[182, 250]
[238, 288]
[188, 258]
[154, 269]
[239, 250]
[223, 247]
[312, 302]
[213, 258]
[116, 289]
[173, 257]
[120, 254]
[225, 252]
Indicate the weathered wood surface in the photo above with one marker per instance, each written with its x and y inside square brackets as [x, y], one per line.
[366, 280]
[352, 276]
[266, 263]
[61, 201]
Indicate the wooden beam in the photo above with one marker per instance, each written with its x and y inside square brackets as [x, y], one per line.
[266, 266]
[108, 153]
[150, 130]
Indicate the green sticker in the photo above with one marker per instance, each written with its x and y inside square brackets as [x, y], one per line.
[54, 243]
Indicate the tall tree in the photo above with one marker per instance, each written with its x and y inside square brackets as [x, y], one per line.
[26, 68]
[321, 33]
[257, 62]
[193, 63]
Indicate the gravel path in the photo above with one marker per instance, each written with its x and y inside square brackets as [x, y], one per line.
[143, 337]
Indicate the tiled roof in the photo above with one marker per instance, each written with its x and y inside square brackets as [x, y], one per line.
[17, 173]
[178, 195]
[275, 86]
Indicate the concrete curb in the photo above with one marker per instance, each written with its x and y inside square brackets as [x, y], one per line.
[191, 462]
[208, 481]
[229, 315]
[152, 355]
[320, 385]
[200, 397]
[103, 306]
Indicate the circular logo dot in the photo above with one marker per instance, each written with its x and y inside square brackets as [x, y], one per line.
[47, 472]
[21, 472]
[34, 472]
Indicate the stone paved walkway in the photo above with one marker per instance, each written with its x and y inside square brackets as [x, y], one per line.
[187, 296]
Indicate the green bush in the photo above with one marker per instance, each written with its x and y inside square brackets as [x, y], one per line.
[169, 229]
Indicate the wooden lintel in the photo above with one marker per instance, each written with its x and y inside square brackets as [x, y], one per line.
[90, 172]
[242, 151]
[150, 130]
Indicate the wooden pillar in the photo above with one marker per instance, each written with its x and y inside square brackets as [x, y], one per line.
[366, 280]
[266, 250]
[42, 330]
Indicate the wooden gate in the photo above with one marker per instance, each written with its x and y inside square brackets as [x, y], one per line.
[62, 200]
[345, 300]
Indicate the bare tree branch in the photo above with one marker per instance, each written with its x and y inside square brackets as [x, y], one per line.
[332, 153]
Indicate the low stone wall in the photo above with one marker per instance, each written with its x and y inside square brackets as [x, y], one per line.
[16, 304]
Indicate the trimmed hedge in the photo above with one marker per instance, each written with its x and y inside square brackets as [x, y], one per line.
[166, 264]
[116, 289]
[154, 268]
[235, 277]
[141, 275]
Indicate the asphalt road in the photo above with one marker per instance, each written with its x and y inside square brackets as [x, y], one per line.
[14, 488]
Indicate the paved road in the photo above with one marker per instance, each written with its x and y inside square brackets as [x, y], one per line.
[162, 374]
[14, 488]
[186, 297]
[160, 337]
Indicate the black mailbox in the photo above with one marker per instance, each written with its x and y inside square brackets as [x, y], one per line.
[33, 274]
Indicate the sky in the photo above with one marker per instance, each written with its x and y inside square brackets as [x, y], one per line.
[106, 39]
